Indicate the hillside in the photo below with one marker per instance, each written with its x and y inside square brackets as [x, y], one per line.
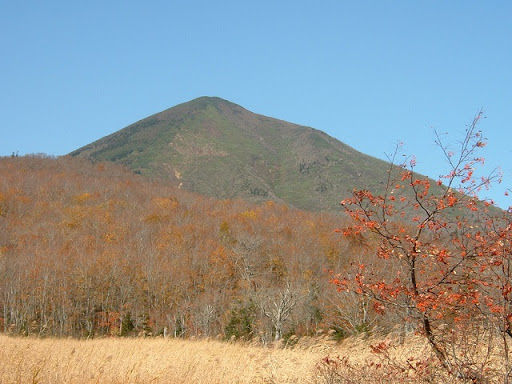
[94, 249]
[219, 149]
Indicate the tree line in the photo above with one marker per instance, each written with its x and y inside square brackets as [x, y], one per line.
[93, 249]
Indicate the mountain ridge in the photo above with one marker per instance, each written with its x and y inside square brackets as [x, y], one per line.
[218, 148]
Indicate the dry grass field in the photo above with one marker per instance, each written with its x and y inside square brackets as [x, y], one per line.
[158, 360]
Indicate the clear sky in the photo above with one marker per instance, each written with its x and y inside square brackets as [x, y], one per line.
[370, 73]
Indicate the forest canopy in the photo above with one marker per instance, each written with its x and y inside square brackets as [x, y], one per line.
[93, 249]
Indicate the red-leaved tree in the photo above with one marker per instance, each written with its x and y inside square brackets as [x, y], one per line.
[442, 258]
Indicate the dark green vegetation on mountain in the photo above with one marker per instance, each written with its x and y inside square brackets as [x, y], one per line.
[217, 148]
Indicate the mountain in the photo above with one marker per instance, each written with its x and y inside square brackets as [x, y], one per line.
[217, 148]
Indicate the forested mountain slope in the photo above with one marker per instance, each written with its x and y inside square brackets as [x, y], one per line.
[89, 249]
[219, 149]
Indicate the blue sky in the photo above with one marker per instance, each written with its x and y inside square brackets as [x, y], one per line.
[370, 73]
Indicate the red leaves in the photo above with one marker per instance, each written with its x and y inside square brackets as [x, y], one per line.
[352, 231]
[406, 175]
[341, 284]
[451, 200]
[468, 177]
[472, 205]
[450, 254]
[423, 305]
[378, 308]
[442, 256]
[372, 224]
[384, 252]
[506, 289]
[432, 237]
[380, 347]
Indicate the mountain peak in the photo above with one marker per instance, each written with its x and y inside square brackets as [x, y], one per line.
[215, 147]
[200, 103]
[206, 101]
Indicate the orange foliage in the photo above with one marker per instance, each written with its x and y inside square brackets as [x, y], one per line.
[81, 245]
[450, 264]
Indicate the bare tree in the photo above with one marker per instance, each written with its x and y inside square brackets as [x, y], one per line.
[279, 307]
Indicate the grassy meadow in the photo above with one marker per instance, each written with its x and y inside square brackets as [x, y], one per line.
[159, 360]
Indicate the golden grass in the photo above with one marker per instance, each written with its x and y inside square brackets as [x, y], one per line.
[158, 360]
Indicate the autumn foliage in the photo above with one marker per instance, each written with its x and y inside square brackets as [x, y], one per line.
[442, 264]
[92, 249]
